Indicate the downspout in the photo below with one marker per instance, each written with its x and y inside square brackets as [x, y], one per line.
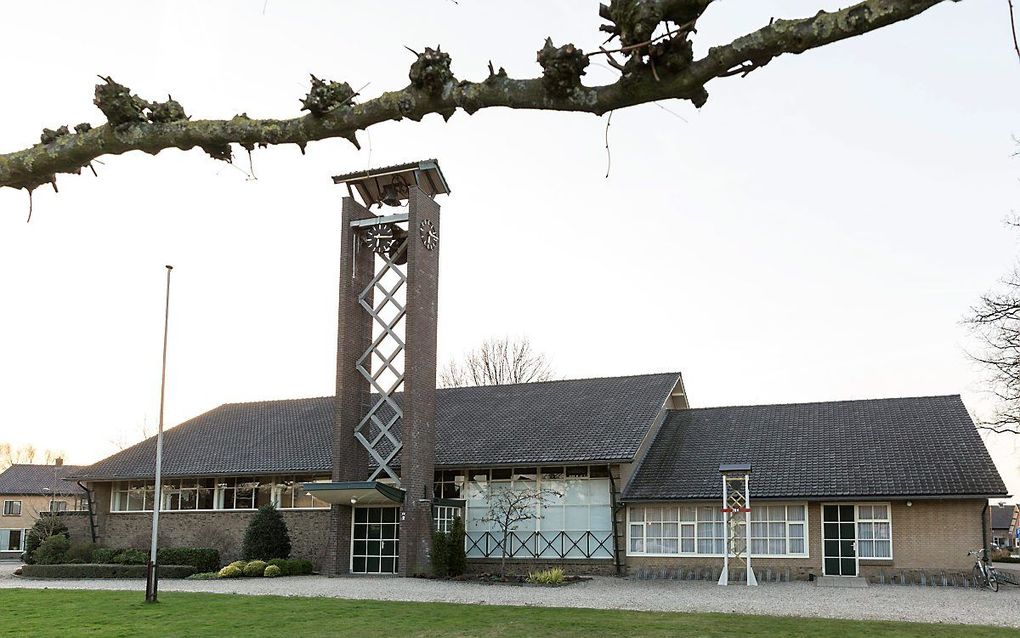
[613, 506]
[92, 520]
[984, 532]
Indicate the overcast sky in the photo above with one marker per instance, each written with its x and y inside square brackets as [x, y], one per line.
[817, 231]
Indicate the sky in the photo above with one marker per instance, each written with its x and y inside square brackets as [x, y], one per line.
[817, 231]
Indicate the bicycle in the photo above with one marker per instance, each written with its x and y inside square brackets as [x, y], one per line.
[984, 573]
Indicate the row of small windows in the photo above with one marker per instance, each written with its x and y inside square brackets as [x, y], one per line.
[223, 493]
[776, 530]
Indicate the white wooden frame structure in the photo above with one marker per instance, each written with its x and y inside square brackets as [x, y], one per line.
[736, 501]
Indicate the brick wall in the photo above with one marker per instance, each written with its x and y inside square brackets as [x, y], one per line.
[930, 535]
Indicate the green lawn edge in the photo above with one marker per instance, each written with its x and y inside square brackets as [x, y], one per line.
[72, 613]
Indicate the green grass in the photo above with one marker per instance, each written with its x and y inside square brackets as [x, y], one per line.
[50, 612]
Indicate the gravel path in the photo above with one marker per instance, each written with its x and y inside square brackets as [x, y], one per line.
[877, 602]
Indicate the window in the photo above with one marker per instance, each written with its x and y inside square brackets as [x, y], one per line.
[290, 495]
[133, 496]
[58, 506]
[443, 516]
[874, 531]
[12, 508]
[11, 540]
[776, 530]
[375, 542]
[449, 484]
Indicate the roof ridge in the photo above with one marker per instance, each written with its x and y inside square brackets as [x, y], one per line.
[829, 402]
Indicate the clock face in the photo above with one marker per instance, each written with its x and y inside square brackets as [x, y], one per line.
[428, 233]
[379, 237]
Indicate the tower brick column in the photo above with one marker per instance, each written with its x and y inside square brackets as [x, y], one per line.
[354, 336]
[418, 428]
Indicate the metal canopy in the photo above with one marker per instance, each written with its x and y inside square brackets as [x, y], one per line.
[355, 493]
[736, 468]
[371, 184]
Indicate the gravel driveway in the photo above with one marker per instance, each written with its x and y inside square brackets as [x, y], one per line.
[877, 602]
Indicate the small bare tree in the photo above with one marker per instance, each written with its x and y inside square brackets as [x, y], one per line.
[497, 361]
[508, 508]
[996, 322]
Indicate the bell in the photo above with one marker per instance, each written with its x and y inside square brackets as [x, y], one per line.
[390, 196]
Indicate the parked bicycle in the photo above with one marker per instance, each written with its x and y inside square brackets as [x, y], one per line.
[984, 573]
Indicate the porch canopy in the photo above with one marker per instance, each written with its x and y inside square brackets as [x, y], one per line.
[352, 493]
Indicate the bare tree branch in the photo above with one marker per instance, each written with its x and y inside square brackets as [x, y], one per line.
[497, 362]
[656, 69]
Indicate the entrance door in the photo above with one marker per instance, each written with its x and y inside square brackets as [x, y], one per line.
[375, 540]
[839, 540]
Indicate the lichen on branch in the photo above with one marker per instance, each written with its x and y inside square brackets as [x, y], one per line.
[659, 66]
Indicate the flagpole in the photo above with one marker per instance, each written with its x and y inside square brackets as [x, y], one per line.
[152, 572]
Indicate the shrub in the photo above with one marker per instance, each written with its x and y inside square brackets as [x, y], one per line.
[456, 555]
[103, 571]
[255, 568]
[52, 551]
[103, 555]
[440, 555]
[240, 564]
[266, 537]
[292, 567]
[43, 528]
[272, 571]
[80, 553]
[552, 576]
[231, 571]
[130, 557]
[204, 576]
[203, 559]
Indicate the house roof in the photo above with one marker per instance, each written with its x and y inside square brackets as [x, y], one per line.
[1002, 517]
[569, 421]
[922, 446]
[28, 480]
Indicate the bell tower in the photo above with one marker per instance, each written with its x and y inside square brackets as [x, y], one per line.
[385, 410]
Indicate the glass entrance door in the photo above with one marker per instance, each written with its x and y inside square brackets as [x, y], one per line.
[839, 540]
[375, 540]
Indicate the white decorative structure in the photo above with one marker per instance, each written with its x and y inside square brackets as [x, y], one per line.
[736, 497]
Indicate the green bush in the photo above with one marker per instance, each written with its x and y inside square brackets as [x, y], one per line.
[103, 555]
[456, 555]
[266, 537]
[103, 571]
[204, 559]
[52, 551]
[240, 564]
[231, 571]
[440, 556]
[292, 567]
[255, 568]
[130, 557]
[272, 571]
[80, 553]
[204, 576]
[552, 576]
[43, 528]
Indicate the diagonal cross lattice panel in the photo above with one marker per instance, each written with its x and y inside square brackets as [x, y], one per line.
[382, 364]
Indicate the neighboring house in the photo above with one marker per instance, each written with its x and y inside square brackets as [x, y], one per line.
[837, 488]
[1004, 525]
[28, 492]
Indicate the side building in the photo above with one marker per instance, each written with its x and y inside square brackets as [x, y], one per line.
[839, 488]
[30, 491]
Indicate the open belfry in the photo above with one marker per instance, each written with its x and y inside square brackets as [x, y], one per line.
[385, 413]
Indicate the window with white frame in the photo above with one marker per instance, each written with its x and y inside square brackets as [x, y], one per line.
[290, 495]
[221, 493]
[12, 540]
[443, 517]
[776, 530]
[12, 508]
[874, 531]
[132, 496]
[58, 506]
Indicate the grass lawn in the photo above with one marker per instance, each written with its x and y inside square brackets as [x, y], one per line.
[50, 612]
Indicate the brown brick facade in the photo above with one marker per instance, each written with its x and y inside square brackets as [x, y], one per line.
[929, 536]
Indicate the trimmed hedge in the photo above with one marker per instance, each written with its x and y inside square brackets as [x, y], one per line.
[203, 559]
[103, 571]
[295, 567]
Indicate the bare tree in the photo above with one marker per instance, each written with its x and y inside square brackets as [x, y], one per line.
[655, 60]
[11, 455]
[509, 507]
[497, 362]
[995, 320]
[126, 438]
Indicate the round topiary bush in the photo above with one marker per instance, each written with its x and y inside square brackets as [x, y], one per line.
[255, 568]
[272, 571]
[266, 537]
[231, 571]
[240, 564]
[52, 551]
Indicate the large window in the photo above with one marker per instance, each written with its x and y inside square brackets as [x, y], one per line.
[12, 508]
[290, 495]
[375, 538]
[12, 540]
[663, 530]
[576, 524]
[220, 493]
[874, 531]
